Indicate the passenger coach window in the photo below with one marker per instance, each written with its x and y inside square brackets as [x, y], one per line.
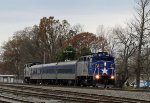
[65, 71]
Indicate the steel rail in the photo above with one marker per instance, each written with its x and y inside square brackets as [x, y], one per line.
[59, 94]
[8, 99]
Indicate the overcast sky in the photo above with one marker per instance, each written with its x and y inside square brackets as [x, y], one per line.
[15, 15]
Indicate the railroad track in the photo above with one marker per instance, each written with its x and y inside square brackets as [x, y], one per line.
[80, 87]
[63, 97]
[66, 95]
[8, 99]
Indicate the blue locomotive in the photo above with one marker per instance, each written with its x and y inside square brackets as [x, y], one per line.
[98, 68]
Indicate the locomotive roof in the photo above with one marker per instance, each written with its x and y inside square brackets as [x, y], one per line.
[54, 64]
[67, 62]
[101, 54]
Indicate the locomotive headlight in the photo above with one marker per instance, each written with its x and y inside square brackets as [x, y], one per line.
[97, 76]
[105, 64]
[112, 77]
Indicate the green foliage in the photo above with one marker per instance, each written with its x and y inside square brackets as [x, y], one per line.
[60, 57]
[83, 52]
[67, 54]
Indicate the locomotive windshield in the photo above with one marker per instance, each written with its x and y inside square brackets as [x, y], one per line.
[97, 58]
[106, 59]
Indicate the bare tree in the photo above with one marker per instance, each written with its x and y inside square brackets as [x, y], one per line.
[103, 35]
[126, 41]
[78, 28]
[142, 27]
[145, 74]
[19, 50]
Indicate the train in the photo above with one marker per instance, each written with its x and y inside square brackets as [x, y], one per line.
[90, 70]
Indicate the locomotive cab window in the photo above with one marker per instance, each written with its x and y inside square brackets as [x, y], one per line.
[81, 59]
[84, 59]
[103, 58]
